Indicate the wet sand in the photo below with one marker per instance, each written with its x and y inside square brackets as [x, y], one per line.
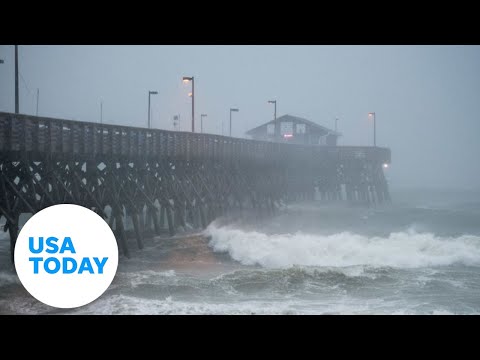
[188, 253]
[185, 254]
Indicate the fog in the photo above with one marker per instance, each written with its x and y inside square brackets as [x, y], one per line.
[426, 98]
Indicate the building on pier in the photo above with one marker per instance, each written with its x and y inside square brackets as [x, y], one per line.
[295, 130]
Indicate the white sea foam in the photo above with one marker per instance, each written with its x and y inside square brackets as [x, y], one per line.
[442, 312]
[122, 304]
[147, 277]
[131, 305]
[400, 250]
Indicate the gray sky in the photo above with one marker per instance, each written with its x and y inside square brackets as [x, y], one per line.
[426, 98]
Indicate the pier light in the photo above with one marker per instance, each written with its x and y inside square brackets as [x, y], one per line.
[149, 94]
[371, 115]
[187, 79]
[232, 110]
[201, 121]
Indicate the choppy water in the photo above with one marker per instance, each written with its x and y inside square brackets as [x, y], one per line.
[419, 256]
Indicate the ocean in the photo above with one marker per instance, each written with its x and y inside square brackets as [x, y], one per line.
[418, 255]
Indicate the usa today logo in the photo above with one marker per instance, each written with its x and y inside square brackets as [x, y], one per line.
[66, 256]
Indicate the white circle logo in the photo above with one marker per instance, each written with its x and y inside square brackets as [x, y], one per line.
[66, 256]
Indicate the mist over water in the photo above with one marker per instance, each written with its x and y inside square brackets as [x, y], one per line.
[421, 255]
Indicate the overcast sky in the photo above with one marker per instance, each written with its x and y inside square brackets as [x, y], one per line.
[426, 98]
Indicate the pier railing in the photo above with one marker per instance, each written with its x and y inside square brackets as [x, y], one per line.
[41, 137]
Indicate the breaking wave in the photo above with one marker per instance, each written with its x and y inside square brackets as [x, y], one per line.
[400, 250]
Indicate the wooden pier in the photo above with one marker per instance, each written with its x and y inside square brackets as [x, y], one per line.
[161, 180]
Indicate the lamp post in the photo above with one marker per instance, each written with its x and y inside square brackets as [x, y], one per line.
[150, 93]
[186, 79]
[336, 127]
[38, 95]
[17, 105]
[372, 116]
[201, 122]
[274, 102]
[231, 110]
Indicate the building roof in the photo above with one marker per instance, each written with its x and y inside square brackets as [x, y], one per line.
[297, 119]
